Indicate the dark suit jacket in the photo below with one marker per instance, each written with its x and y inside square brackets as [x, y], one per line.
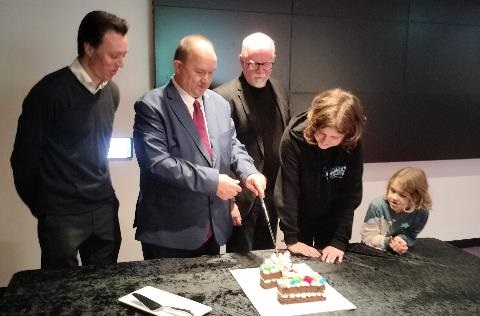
[178, 180]
[245, 124]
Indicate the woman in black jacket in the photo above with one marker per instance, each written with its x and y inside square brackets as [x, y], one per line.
[320, 180]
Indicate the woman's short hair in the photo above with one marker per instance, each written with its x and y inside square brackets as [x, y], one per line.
[413, 181]
[338, 109]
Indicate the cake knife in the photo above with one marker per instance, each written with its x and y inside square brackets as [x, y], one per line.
[268, 223]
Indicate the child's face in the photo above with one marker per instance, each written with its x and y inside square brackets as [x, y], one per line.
[398, 200]
[328, 137]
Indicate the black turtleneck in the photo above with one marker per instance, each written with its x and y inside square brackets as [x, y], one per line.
[269, 125]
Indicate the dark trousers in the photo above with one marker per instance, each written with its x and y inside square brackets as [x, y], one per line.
[210, 247]
[95, 235]
[254, 233]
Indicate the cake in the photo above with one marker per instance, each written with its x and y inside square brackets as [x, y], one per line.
[271, 269]
[294, 283]
[300, 287]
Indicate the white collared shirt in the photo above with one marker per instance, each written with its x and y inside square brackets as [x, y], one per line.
[188, 100]
[82, 76]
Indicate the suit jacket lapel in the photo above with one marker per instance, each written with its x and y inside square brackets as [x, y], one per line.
[281, 103]
[181, 111]
[242, 96]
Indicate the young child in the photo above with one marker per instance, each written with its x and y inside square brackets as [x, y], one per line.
[394, 220]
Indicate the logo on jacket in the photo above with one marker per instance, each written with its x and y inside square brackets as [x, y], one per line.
[335, 172]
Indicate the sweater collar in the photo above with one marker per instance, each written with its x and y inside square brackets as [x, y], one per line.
[82, 76]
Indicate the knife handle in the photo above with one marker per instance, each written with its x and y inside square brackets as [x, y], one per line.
[151, 304]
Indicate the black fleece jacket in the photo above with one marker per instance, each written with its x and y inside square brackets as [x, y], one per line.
[317, 188]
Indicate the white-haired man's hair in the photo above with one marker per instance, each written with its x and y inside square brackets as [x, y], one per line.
[257, 41]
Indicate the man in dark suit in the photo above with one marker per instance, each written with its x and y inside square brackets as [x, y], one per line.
[260, 112]
[186, 147]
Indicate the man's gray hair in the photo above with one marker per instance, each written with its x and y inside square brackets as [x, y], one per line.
[257, 41]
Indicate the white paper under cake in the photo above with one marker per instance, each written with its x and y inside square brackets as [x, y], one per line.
[266, 303]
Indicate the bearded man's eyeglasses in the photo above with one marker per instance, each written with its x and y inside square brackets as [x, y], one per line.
[251, 65]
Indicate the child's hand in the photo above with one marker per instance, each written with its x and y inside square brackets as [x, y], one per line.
[303, 249]
[398, 245]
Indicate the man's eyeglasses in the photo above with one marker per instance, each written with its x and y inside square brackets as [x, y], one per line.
[251, 65]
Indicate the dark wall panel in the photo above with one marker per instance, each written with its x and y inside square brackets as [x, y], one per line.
[443, 58]
[370, 9]
[299, 102]
[267, 6]
[414, 64]
[226, 29]
[410, 127]
[358, 55]
[445, 11]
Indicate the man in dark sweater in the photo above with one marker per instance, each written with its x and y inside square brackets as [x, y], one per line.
[260, 112]
[59, 159]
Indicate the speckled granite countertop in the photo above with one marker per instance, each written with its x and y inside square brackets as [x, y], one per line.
[435, 278]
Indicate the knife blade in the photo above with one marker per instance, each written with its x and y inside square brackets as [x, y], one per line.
[152, 305]
[268, 223]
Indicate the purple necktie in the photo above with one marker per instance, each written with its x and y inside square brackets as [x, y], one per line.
[199, 122]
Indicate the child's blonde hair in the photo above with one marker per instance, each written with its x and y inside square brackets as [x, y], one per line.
[414, 182]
